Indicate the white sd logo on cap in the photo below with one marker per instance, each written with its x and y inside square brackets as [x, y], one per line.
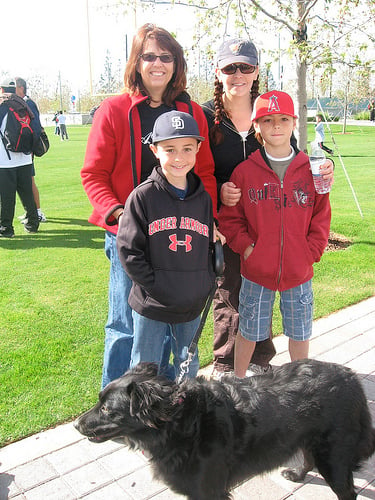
[177, 122]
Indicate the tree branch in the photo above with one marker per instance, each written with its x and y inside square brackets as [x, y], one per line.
[307, 11]
[275, 18]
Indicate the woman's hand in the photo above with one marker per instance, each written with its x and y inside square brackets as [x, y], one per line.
[230, 194]
[326, 170]
[219, 236]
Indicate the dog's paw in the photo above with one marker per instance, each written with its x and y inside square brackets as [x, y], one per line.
[295, 475]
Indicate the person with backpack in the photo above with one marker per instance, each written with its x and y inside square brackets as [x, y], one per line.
[21, 91]
[16, 146]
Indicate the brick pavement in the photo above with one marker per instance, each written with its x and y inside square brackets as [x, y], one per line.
[61, 464]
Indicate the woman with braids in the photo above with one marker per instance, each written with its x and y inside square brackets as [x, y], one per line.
[118, 158]
[232, 140]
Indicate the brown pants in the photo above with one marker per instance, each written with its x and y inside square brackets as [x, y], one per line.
[225, 312]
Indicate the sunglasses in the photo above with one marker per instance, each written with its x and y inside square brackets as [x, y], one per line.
[164, 58]
[246, 69]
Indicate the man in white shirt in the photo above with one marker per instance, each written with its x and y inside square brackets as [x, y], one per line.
[63, 131]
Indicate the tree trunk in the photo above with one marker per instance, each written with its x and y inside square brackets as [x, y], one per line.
[301, 104]
[301, 37]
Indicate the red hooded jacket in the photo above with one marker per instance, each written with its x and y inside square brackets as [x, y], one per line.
[114, 147]
[287, 221]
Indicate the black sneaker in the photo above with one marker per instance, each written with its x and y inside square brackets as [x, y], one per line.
[6, 232]
[30, 229]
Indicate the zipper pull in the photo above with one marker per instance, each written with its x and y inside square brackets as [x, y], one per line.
[244, 139]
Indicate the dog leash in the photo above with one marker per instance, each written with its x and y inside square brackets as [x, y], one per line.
[218, 264]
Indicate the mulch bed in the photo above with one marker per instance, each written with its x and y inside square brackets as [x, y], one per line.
[337, 242]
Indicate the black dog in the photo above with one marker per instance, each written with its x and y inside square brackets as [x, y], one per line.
[207, 436]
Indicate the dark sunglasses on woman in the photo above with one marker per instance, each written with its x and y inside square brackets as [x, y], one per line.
[246, 69]
[164, 58]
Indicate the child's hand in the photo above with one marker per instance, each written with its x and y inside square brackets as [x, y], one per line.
[248, 252]
[230, 194]
[326, 170]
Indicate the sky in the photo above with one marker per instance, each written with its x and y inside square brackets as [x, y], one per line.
[52, 38]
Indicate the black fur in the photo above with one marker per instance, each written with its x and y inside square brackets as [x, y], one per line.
[207, 436]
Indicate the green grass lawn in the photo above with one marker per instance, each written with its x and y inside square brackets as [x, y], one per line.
[53, 292]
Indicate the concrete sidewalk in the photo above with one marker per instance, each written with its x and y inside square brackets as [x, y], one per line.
[61, 464]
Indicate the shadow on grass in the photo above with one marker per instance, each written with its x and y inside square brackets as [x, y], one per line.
[344, 155]
[68, 236]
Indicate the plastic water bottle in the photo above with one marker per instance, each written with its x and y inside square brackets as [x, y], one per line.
[317, 158]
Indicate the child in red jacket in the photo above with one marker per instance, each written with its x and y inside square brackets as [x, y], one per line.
[280, 227]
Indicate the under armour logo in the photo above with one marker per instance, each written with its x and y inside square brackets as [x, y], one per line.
[178, 123]
[175, 243]
[273, 105]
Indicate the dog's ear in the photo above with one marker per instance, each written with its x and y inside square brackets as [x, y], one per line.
[150, 401]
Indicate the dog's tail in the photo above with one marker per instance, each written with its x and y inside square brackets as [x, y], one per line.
[366, 445]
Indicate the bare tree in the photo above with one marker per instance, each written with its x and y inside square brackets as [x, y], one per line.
[110, 80]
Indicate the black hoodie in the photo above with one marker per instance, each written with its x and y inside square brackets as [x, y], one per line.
[165, 246]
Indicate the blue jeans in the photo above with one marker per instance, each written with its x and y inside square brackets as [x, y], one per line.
[119, 328]
[149, 338]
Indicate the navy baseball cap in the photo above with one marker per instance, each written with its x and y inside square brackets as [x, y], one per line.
[173, 125]
[237, 50]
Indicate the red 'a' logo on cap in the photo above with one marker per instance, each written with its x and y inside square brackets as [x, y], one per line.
[235, 48]
[273, 105]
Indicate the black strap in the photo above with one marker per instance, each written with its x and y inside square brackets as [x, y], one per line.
[194, 342]
[218, 262]
[132, 150]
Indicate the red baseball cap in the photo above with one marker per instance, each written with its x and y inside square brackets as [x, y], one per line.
[274, 102]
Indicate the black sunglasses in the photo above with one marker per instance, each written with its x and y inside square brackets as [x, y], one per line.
[164, 58]
[246, 69]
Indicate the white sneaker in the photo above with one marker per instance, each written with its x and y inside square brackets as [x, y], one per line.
[41, 216]
[22, 217]
[219, 374]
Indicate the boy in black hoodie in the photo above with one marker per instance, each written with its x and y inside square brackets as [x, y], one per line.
[165, 245]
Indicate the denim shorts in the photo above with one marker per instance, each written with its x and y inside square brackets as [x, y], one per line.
[256, 305]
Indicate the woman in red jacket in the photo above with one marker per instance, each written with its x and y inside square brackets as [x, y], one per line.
[118, 158]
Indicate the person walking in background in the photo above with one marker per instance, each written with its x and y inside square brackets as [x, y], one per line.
[62, 126]
[165, 238]
[118, 158]
[21, 91]
[319, 133]
[371, 108]
[232, 140]
[279, 227]
[56, 120]
[15, 168]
